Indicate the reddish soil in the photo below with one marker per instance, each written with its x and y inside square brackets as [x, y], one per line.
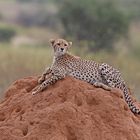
[68, 110]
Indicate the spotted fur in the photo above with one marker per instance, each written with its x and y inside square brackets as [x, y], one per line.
[99, 75]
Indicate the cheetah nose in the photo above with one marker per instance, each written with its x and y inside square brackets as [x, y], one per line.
[62, 49]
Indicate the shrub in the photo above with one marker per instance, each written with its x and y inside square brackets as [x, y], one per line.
[99, 22]
[6, 33]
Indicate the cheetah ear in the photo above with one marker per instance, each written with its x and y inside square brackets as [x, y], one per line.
[70, 44]
[52, 41]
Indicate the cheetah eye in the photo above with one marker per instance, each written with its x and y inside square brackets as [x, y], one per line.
[58, 44]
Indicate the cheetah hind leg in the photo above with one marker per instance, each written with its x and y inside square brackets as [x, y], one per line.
[101, 85]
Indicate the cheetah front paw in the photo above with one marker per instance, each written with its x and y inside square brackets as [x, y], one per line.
[41, 80]
[34, 92]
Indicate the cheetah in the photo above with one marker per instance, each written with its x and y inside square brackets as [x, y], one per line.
[100, 75]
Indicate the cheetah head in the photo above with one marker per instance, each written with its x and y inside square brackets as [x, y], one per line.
[60, 46]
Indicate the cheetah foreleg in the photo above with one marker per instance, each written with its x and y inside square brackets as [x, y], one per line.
[101, 85]
[43, 76]
[51, 80]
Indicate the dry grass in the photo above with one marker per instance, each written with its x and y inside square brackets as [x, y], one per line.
[26, 61]
[20, 62]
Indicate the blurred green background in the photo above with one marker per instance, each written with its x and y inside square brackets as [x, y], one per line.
[101, 30]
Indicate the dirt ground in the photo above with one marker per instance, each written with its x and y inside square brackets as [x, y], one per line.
[68, 110]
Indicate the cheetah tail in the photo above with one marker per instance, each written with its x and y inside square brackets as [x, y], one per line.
[129, 101]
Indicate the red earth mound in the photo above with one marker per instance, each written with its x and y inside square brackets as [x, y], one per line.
[68, 110]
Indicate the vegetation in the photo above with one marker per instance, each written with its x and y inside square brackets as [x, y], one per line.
[100, 23]
[14, 64]
[94, 26]
[21, 62]
[6, 33]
